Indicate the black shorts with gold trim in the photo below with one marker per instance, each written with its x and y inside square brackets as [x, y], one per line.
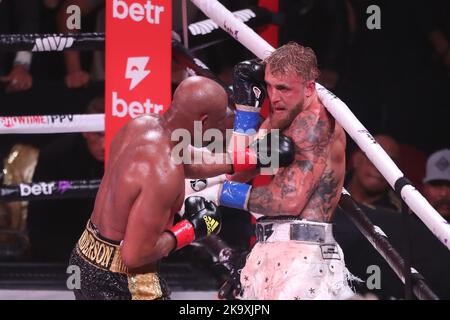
[104, 276]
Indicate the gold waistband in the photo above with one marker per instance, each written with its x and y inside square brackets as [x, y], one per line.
[106, 255]
[99, 252]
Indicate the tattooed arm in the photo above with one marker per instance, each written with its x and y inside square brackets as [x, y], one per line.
[292, 187]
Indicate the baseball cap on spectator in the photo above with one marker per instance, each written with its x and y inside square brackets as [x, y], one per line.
[438, 166]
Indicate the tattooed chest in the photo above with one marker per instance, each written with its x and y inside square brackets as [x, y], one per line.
[323, 201]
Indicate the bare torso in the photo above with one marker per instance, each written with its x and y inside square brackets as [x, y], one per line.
[311, 186]
[325, 195]
[139, 167]
[323, 202]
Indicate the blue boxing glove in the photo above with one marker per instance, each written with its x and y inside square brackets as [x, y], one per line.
[220, 191]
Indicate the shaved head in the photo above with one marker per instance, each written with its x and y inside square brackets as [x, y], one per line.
[199, 100]
[200, 96]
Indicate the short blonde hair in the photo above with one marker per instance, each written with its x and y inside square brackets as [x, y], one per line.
[294, 57]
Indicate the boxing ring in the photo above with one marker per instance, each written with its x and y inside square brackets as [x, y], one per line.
[221, 17]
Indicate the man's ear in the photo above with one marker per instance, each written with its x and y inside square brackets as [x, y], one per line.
[310, 87]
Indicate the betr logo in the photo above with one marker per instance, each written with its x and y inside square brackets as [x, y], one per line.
[36, 189]
[73, 22]
[136, 71]
[137, 11]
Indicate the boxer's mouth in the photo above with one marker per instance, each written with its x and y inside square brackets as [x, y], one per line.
[278, 109]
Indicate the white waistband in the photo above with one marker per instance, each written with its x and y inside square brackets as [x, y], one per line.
[271, 230]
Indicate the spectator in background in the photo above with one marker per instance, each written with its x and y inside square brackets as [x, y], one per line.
[437, 182]
[76, 76]
[366, 185]
[427, 253]
[54, 225]
[17, 17]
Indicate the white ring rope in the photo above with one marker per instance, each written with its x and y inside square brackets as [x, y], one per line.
[52, 43]
[253, 42]
[207, 26]
[63, 123]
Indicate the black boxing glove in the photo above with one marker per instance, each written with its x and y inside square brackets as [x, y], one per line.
[202, 219]
[260, 153]
[249, 93]
[248, 83]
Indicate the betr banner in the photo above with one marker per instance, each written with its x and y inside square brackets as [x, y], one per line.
[138, 61]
